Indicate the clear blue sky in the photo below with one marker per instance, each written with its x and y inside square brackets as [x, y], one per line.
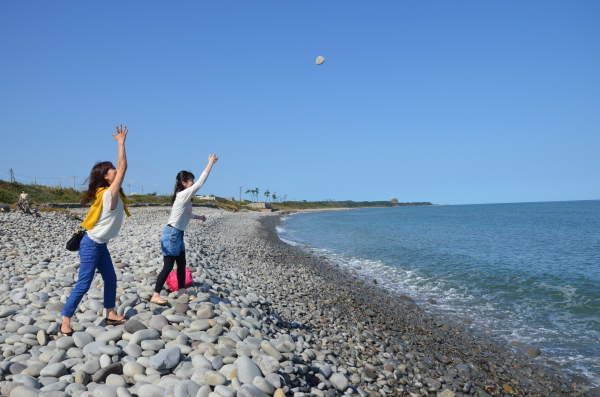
[449, 102]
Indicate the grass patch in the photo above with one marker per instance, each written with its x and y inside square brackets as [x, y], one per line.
[40, 194]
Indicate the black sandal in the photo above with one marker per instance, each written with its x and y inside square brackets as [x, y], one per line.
[67, 333]
[110, 321]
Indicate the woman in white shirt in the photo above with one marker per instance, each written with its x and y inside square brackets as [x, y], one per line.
[171, 240]
[103, 223]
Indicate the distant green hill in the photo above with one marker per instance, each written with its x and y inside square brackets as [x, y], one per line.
[10, 191]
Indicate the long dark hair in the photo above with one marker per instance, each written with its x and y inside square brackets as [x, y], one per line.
[96, 180]
[182, 176]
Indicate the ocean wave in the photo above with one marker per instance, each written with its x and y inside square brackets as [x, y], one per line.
[511, 293]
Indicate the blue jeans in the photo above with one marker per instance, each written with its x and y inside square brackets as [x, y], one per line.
[171, 241]
[93, 256]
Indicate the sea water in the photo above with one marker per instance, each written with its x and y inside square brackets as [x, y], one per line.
[527, 272]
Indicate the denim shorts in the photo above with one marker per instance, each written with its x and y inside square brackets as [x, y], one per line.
[171, 241]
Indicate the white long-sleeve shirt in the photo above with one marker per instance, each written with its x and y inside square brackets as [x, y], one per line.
[182, 207]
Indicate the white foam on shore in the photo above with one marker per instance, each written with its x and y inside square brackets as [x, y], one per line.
[485, 310]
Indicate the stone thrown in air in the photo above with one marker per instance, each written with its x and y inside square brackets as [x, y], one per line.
[320, 60]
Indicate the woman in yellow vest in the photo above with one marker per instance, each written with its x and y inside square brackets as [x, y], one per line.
[103, 223]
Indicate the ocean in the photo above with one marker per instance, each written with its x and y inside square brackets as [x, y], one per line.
[527, 272]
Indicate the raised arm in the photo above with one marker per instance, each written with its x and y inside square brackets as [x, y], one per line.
[212, 158]
[115, 186]
[188, 193]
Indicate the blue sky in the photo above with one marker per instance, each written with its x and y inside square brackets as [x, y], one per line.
[449, 102]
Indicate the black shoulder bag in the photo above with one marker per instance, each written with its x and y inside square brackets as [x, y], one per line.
[73, 243]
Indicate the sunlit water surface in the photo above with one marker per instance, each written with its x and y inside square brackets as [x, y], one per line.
[528, 271]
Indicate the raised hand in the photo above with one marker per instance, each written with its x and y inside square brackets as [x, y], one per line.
[212, 158]
[121, 133]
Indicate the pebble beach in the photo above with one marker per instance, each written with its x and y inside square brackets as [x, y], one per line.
[266, 319]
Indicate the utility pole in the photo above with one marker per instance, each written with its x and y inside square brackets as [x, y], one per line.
[142, 190]
[35, 180]
[12, 175]
[73, 182]
[240, 193]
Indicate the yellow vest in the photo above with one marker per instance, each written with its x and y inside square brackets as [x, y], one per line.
[92, 217]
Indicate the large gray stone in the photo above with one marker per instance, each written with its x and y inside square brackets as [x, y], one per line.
[154, 345]
[247, 370]
[29, 329]
[56, 386]
[8, 387]
[82, 338]
[27, 381]
[199, 360]
[74, 387]
[17, 368]
[251, 391]
[91, 367]
[225, 391]
[132, 326]
[204, 391]
[105, 391]
[115, 380]
[82, 377]
[186, 388]
[274, 379]
[214, 378]
[110, 350]
[158, 322]
[123, 392]
[55, 370]
[200, 325]
[8, 311]
[92, 347]
[151, 391]
[263, 385]
[205, 312]
[132, 368]
[133, 350]
[326, 371]
[271, 350]
[58, 357]
[75, 352]
[217, 330]
[267, 364]
[166, 359]
[65, 343]
[285, 344]
[144, 334]
[24, 391]
[102, 373]
[339, 381]
[112, 334]
[182, 308]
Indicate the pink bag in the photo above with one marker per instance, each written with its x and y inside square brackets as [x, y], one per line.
[172, 279]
